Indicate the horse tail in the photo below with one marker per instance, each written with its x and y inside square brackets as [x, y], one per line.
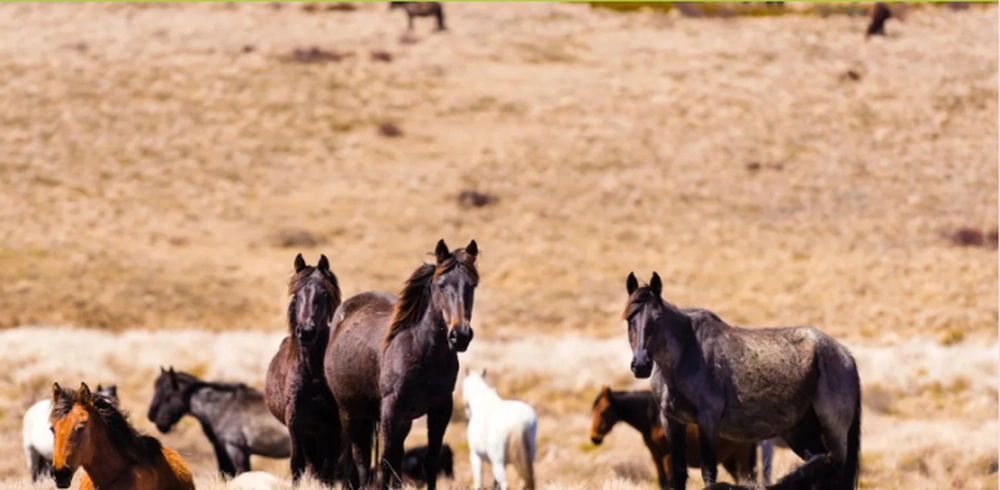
[851, 476]
[521, 450]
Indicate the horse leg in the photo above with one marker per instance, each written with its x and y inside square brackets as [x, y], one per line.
[476, 462]
[660, 462]
[838, 417]
[239, 458]
[708, 438]
[298, 459]
[226, 465]
[498, 464]
[360, 433]
[437, 423]
[394, 432]
[766, 455]
[678, 453]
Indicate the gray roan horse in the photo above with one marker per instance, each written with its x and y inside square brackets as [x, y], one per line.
[745, 384]
[391, 360]
[233, 417]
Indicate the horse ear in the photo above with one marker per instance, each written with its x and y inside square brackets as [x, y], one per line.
[482, 374]
[99, 388]
[631, 284]
[173, 377]
[441, 251]
[162, 371]
[324, 264]
[83, 396]
[113, 390]
[56, 391]
[606, 390]
[300, 263]
[472, 249]
[655, 285]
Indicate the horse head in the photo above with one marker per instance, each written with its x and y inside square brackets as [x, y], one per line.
[315, 296]
[453, 292]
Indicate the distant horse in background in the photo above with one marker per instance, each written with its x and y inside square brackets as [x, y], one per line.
[233, 417]
[390, 361]
[500, 431]
[89, 432]
[421, 9]
[744, 384]
[640, 410]
[815, 474]
[37, 434]
[413, 464]
[295, 391]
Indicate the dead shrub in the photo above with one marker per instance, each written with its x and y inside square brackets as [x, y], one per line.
[475, 199]
[390, 130]
[295, 238]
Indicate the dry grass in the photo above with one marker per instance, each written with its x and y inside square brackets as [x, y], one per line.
[939, 426]
[164, 163]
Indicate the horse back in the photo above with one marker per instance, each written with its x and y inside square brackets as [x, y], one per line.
[352, 359]
[173, 472]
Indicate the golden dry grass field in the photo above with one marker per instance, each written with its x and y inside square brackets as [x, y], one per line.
[162, 164]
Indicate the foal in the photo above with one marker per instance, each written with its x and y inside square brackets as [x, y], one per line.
[421, 9]
[233, 416]
[639, 410]
[91, 433]
[295, 390]
[500, 431]
[413, 464]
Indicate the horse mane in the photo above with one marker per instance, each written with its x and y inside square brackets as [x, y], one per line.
[300, 279]
[188, 381]
[134, 446]
[640, 298]
[416, 294]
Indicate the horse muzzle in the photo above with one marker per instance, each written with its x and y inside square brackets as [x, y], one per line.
[642, 368]
[596, 440]
[459, 338]
[63, 476]
[163, 428]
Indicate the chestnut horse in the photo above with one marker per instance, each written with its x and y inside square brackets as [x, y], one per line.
[391, 360]
[295, 390]
[91, 433]
[639, 410]
[744, 384]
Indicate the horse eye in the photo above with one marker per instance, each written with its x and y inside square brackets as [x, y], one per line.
[52, 430]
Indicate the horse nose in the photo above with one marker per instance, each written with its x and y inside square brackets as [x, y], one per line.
[596, 440]
[459, 338]
[63, 476]
[641, 368]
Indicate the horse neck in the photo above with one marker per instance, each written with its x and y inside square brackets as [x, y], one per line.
[311, 358]
[107, 464]
[677, 335]
[207, 402]
[632, 409]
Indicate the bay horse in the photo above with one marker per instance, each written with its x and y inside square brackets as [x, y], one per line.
[36, 433]
[500, 431]
[815, 474]
[295, 391]
[391, 360]
[91, 433]
[744, 384]
[233, 417]
[640, 410]
[421, 9]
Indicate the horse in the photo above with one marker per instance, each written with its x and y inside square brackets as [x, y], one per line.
[500, 431]
[880, 14]
[639, 410]
[814, 474]
[413, 464]
[420, 9]
[233, 417]
[37, 434]
[90, 432]
[295, 391]
[744, 384]
[391, 360]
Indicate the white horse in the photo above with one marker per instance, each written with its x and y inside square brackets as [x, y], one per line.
[501, 431]
[36, 433]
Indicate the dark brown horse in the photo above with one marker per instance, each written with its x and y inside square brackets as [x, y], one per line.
[815, 474]
[420, 9]
[744, 384]
[880, 14]
[639, 410]
[391, 360]
[295, 390]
